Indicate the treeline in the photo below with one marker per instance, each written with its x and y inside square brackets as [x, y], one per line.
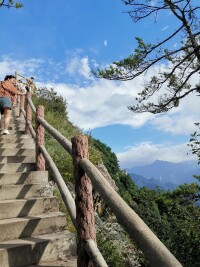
[173, 216]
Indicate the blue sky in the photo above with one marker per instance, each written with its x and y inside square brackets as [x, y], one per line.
[59, 42]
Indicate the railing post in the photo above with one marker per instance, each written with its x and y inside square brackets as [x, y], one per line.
[83, 200]
[28, 115]
[40, 161]
[21, 99]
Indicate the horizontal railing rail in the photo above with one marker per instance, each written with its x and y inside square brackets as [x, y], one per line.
[154, 250]
[90, 246]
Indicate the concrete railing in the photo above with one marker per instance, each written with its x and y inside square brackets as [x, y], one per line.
[89, 244]
[154, 250]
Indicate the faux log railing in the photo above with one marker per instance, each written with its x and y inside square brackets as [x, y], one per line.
[89, 244]
[154, 250]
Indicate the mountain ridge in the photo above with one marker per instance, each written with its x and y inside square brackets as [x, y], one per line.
[164, 174]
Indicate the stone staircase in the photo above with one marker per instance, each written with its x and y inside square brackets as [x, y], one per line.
[32, 230]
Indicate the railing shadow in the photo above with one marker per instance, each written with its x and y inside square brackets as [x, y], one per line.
[32, 253]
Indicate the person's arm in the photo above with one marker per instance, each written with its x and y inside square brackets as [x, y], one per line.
[8, 86]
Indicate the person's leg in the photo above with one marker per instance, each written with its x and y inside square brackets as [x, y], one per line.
[7, 117]
[1, 108]
[6, 107]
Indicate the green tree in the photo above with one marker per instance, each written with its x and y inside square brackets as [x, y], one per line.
[195, 142]
[56, 115]
[173, 83]
[182, 64]
[53, 102]
[10, 3]
[174, 218]
[109, 158]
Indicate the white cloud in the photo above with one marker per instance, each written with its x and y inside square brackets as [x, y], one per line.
[94, 63]
[85, 69]
[105, 103]
[146, 153]
[27, 67]
[105, 43]
[79, 66]
[73, 65]
[182, 122]
[102, 103]
[165, 28]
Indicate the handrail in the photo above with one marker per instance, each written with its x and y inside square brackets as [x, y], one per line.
[31, 104]
[65, 193]
[147, 241]
[155, 251]
[32, 131]
[94, 253]
[64, 142]
[67, 198]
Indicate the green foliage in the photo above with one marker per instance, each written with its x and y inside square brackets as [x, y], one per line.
[127, 188]
[52, 102]
[10, 3]
[109, 158]
[178, 65]
[194, 145]
[110, 251]
[195, 142]
[62, 208]
[123, 181]
[56, 115]
[173, 216]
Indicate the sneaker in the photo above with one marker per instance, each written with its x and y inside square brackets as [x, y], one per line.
[5, 131]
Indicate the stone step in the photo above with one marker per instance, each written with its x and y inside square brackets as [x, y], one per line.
[41, 224]
[27, 207]
[17, 159]
[17, 167]
[17, 152]
[13, 122]
[11, 139]
[16, 122]
[71, 262]
[23, 145]
[17, 119]
[19, 127]
[26, 191]
[49, 247]
[14, 136]
[33, 177]
[15, 128]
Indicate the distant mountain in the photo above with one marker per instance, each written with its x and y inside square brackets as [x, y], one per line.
[152, 183]
[165, 174]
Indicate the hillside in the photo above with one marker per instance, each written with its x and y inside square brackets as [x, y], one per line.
[152, 183]
[173, 216]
